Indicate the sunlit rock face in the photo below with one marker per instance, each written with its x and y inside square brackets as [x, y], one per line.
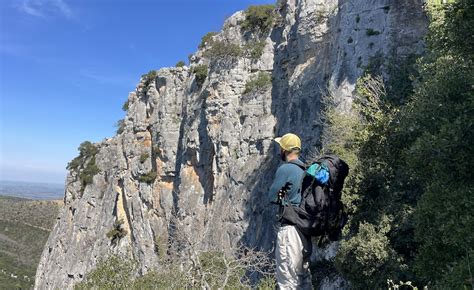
[210, 144]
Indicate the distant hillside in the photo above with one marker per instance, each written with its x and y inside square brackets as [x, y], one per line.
[24, 228]
[32, 190]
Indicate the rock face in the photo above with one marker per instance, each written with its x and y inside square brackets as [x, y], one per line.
[210, 144]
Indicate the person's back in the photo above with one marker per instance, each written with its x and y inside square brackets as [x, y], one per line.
[290, 174]
[291, 271]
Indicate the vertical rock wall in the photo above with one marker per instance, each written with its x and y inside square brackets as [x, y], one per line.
[211, 144]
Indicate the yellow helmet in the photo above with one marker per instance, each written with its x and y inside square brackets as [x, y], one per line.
[289, 142]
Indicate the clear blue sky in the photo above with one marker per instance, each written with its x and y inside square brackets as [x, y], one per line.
[67, 66]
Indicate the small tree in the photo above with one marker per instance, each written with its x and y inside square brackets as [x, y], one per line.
[223, 50]
[260, 82]
[86, 150]
[125, 106]
[254, 49]
[149, 78]
[87, 174]
[117, 232]
[259, 18]
[120, 125]
[206, 39]
[111, 273]
[200, 71]
[148, 177]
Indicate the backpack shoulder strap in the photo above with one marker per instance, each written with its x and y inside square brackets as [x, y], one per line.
[298, 164]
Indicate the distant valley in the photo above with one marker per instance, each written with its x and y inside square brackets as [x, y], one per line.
[32, 190]
[25, 225]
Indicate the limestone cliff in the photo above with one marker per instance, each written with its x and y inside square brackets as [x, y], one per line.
[210, 142]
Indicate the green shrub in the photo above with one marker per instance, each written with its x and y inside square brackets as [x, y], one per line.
[267, 283]
[371, 32]
[185, 269]
[120, 125]
[200, 71]
[412, 144]
[401, 72]
[217, 265]
[259, 18]
[149, 78]
[206, 40]
[212, 269]
[180, 63]
[374, 64]
[357, 18]
[451, 27]
[223, 50]
[148, 178]
[261, 81]
[350, 40]
[171, 277]
[254, 49]
[75, 163]
[125, 106]
[86, 150]
[160, 245]
[87, 174]
[144, 157]
[438, 121]
[386, 8]
[117, 232]
[112, 273]
[365, 259]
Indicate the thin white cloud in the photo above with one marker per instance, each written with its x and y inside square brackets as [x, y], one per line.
[44, 8]
[105, 78]
[63, 8]
[31, 8]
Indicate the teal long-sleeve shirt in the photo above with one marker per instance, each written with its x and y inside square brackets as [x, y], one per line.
[289, 173]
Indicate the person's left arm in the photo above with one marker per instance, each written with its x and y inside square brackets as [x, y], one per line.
[278, 182]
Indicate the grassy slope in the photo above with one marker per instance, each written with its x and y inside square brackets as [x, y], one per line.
[24, 229]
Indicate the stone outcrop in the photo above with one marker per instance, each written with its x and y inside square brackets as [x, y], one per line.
[210, 144]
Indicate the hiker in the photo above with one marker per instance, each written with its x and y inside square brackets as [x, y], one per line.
[292, 271]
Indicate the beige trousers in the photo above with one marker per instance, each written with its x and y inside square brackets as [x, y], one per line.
[290, 271]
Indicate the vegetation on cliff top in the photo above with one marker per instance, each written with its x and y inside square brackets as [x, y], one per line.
[258, 22]
[259, 18]
[200, 72]
[149, 78]
[206, 39]
[180, 64]
[85, 163]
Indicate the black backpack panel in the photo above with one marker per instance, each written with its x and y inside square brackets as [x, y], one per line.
[321, 212]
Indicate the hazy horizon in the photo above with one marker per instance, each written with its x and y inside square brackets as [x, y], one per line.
[32, 190]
